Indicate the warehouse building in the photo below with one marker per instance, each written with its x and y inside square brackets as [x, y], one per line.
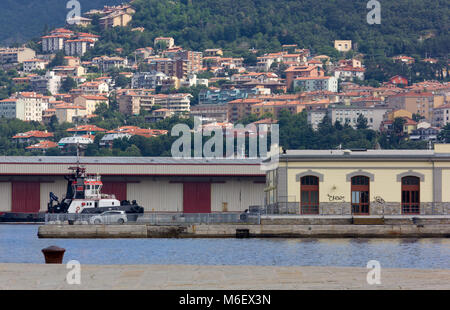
[361, 182]
[157, 184]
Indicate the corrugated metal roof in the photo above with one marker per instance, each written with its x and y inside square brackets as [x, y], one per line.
[124, 160]
[131, 166]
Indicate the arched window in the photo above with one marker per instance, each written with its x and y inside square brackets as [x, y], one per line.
[360, 194]
[410, 195]
[309, 195]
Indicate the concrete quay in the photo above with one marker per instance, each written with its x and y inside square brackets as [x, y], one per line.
[181, 277]
[254, 231]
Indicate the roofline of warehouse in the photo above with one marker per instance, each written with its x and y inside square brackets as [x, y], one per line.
[72, 160]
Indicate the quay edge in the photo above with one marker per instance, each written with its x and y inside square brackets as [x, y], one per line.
[254, 231]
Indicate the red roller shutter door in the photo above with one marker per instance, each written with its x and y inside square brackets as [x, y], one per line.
[26, 197]
[197, 197]
[119, 189]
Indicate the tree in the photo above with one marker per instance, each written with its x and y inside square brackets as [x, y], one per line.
[397, 125]
[68, 84]
[58, 60]
[122, 81]
[444, 135]
[361, 122]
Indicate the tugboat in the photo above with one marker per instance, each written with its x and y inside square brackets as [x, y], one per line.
[84, 197]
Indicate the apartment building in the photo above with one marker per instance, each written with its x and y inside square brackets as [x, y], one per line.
[90, 102]
[148, 80]
[441, 115]
[116, 16]
[50, 82]
[316, 116]
[171, 67]
[16, 55]
[78, 47]
[349, 114]
[194, 60]
[319, 83]
[177, 103]
[213, 112]
[66, 112]
[26, 106]
[34, 64]
[133, 100]
[94, 88]
[348, 73]
[222, 96]
[416, 103]
[106, 63]
[294, 72]
[240, 108]
[73, 44]
[54, 41]
[75, 71]
[275, 107]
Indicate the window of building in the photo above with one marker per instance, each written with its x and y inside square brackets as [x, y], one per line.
[309, 195]
[410, 195]
[360, 195]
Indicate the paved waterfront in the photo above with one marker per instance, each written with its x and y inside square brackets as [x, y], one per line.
[41, 276]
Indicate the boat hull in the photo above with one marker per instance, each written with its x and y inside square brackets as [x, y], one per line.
[13, 217]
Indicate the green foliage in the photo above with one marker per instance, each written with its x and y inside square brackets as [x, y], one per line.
[58, 60]
[68, 84]
[26, 19]
[381, 69]
[444, 136]
[361, 122]
[310, 23]
[296, 133]
[7, 86]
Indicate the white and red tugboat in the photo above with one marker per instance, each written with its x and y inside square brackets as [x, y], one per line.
[84, 196]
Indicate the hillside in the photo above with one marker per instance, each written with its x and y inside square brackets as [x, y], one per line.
[21, 20]
[413, 27]
[315, 24]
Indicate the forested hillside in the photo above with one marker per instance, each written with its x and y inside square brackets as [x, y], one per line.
[407, 26]
[21, 20]
[413, 27]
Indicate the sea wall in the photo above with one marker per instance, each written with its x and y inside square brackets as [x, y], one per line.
[243, 231]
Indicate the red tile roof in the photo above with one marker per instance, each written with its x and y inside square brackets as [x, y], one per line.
[86, 128]
[33, 134]
[43, 145]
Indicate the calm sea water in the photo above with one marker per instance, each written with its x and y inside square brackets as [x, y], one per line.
[20, 244]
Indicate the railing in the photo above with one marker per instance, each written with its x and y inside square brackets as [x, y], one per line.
[345, 208]
[153, 218]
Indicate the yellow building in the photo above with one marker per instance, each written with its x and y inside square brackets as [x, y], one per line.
[375, 182]
[90, 102]
[343, 45]
[66, 112]
[398, 113]
[115, 19]
[275, 107]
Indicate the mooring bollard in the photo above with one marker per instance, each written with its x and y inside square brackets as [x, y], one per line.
[53, 254]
